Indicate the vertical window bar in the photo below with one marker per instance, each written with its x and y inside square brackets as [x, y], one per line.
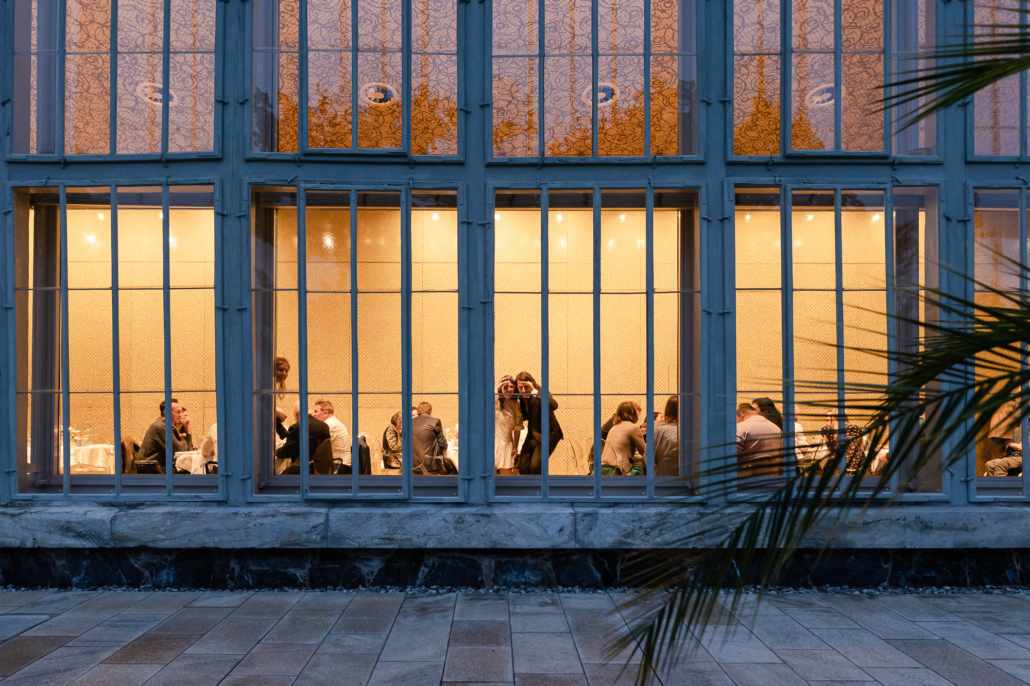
[353, 142]
[888, 45]
[649, 250]
[1022, 107]
[166, 72]
[355, 448]
[893, 342]
[838, 253]
[838, 46]
[302, 333]
[405, 75]
[486, 258]
[62, 30]
[113, 127]
[647, 97]
[115, 341]
[66, 447]
[541, 22]
[545, 349]
[406, 457]
[166, 294]
[594, 65]
[786, 70]
[1023, 429]
[787, 313]
[302, 91]
[597, 329]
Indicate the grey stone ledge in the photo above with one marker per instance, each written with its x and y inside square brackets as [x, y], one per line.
[498, 526]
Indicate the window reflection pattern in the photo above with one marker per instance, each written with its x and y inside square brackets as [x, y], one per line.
[999, 237]
[822, 280]
[138, 77]
[999, 106]
[328, 331]
[544, 99]
[599, 337]
[116, 314]
[837, 47]
[353, 54]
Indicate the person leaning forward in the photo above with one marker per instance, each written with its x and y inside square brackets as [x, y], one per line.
[428, 444]
[153, 447]
[759, 444]
[318, 431]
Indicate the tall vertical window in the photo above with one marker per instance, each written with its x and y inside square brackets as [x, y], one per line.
[565, 85]
[827, 74]
[356, 76]
[341, 279]
[819, 280]
[605, 338]
[129, 77]
[999, 120]
[999, 235]
[116, 318]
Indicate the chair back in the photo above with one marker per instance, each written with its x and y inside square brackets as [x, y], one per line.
[322, 462]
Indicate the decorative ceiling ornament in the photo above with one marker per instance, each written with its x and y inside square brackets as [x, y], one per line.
[607, 94]
[823, 96]
[154, 93]
[378, 93]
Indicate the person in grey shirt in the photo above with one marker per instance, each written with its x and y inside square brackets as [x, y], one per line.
[759, 444]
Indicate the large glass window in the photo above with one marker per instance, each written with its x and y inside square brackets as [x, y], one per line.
[133, 77]
[819, 282]
[563, 89]
[999, 235]
[340, 278]
[116, 318]
[613, 357]
[356, 75]
[999, 122]
[836, 47]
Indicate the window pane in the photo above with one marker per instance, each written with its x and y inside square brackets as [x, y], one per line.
[914, 29]
[996, 129]
[812, 124]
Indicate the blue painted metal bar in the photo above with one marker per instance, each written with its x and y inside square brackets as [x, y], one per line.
[166, 299]
[545, 349]
[354, 43]
[66, 444]
[888, 53]
[166, 70]
[405, 76]
[787, 313]
[597, 339]
[406, 364]
[838, 252]
[113, 109]
[355, 397]
[649, 286]
[1023, 428]
[303, 114]
[62, 33]
[648, 147]
[893, 342]
[838, 48]
[594, 66]
[541, 62]
[116, 379]
[302, 337]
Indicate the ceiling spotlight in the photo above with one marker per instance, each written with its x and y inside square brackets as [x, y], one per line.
[160, 215]
[622, 217]
[560, 218]
[435, 216]
[876, 218]
[328, 241]
[810, 217]
[173, 241]
[747, 217]
[497, 217]
[90, 238]
[100, 216]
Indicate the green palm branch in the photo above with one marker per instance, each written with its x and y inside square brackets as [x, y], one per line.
[953, 73]
[941, 395]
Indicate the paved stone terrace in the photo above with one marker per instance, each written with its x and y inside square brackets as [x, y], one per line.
[529, 639]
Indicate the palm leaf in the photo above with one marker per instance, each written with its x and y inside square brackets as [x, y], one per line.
[755, 543]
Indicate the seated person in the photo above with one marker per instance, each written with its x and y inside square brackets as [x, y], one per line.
[428, 444]
[318, 431]
[1003, 430]
[209, 448]
[153, 447]
[759, 444]
[624, 439]
[854, 452]
[667, 439]
[392, 446]
[323, 409]
[1012, 460]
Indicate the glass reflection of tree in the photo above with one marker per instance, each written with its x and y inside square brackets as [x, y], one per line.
[802, 135]
[759, 132]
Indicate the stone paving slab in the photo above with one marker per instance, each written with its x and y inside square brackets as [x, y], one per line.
[270, 638]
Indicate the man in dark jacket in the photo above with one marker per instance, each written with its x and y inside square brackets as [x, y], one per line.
[530, 459]
[428, 444]
[318, 431]
[153, 447]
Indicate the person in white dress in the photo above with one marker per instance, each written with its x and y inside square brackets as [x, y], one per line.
[507, 425]
[339, 437]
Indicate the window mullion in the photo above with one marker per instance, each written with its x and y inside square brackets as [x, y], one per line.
[354, 81]
[541, 59]
[115, 341]
[893, 342]
[888, 45]
[166, 295]
[355, 448]
[302, 338]
[786, 76]
[649, 285]
[113, 121]
[405, 76]
[545, 347]
[838, 250]
[1022, 108]
[595, 65]
[406, 364]
[838, 42]
[647, 82]
[303, 139]
[597, 340]
[1023, 428]
[66, 443]
[166, 71]
[787, 310]
[62, 30]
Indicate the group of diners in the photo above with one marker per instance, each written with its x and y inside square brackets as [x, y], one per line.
[518, 433]
[760, 442]
[150, 457]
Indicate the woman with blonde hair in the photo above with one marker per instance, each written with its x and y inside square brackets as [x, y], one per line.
[507, 426]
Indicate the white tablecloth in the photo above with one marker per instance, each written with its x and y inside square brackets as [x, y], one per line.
[94, 456]
[452, 453]
[191, 461]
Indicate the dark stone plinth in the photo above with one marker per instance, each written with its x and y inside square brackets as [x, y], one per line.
[214, 568]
